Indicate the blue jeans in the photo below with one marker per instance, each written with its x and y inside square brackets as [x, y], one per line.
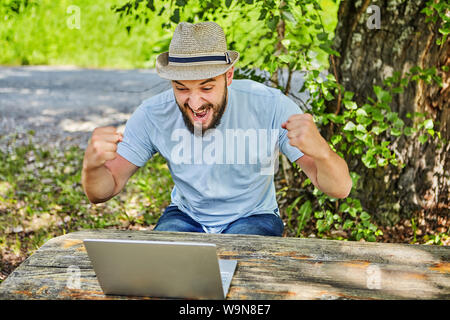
[259, 224]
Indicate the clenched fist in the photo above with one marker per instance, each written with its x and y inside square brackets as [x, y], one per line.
[303, 134]
[102, 147]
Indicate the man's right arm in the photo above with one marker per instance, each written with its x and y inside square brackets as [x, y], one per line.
[105, 172]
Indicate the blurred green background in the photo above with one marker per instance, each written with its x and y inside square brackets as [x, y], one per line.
[41, 33]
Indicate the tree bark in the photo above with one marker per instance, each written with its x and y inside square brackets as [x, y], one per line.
[369, 56]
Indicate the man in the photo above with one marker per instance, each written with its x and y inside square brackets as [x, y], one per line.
[218, 136]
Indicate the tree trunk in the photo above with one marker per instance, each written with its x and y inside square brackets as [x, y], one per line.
[369, 56]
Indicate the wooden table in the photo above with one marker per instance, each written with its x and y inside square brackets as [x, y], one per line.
[268, 268]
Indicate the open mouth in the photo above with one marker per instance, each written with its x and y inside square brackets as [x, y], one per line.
[200, 116]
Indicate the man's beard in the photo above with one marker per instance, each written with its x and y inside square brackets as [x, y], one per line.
[217, 113]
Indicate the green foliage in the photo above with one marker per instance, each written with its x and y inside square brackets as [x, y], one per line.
[271, 35]
[438, 12]
[37, 32]
[362, 133]
[437, 239]
[251, 27]
[41, 195]
[344, 221]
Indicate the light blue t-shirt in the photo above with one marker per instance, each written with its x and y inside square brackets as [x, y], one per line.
[228, 173]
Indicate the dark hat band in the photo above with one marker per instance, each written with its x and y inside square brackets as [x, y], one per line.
[225, 58]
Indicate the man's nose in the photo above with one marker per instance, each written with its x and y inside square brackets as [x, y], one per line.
[195, 102]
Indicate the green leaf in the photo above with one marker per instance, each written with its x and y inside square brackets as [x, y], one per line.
[377, 115]
[398, 123]
[352, 212]
[394, 162]
[286, 58]
[336, 139]
[181, 3]
[382, 162]
[347, 224]
[423, 138]
[361, 112]
[382, 95]
[305, 209]
[320, 225]
[336, 118]
[272, 22]
[328, 50]
[290, 17]
[364, 216]
[392, 116]
[369, 160]
[350, 126]
[351, 105]
[307, 182]
[344, 207]
[348, 95]
[357, 149]
[318, 214]
[361, 128]
[428, 124]
[398, 90]
[363, 120]
[322, 36]
[377, 130]
[409, 131]
[176, 16]
[396, 132]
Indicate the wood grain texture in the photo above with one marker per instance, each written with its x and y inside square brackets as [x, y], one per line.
[268, 268]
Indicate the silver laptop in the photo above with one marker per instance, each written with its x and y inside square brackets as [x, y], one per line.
[160, 268]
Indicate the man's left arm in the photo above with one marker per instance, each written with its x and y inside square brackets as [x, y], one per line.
[326, 169]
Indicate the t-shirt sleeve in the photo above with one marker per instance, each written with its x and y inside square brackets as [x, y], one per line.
[286, 108]
[136, 145]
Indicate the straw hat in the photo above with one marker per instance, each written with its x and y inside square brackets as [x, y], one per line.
[197, 51]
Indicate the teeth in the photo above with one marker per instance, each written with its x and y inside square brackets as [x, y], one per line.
[198, 114]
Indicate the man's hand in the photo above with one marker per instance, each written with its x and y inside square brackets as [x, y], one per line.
[102, 147]
[327, 170]
[105, 172]
[303, 134]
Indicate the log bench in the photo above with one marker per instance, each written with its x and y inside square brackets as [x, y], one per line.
[268, 268]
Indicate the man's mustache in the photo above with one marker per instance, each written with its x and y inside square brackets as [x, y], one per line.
[202, 108]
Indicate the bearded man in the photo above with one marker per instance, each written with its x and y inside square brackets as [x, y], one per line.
[218, 136]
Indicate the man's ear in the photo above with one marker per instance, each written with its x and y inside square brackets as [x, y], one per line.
[229, 75]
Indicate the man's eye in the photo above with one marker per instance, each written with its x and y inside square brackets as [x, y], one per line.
[207, 89]
[181, 89]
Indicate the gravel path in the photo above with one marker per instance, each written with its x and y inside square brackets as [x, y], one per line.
[64, 104]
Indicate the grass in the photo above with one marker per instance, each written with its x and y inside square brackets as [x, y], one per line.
[41, 196]
[43, 34]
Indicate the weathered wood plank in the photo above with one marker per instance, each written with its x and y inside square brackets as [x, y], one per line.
[268, 268]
